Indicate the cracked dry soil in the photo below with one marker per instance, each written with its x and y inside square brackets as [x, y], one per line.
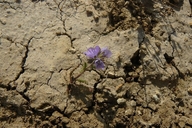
[147, 82]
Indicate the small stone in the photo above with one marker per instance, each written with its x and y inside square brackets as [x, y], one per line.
[181, 124]
[3, 21]
[189, 121]
[190, 90]
[139, 113]
[133, 103]
[100, 100]
[121, 100]
[152, 105]
[72, 50]
[111, 74]
[65, 120]
[190, 24]
[156, 98]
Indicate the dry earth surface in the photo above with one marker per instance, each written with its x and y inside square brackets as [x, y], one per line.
[147, 82]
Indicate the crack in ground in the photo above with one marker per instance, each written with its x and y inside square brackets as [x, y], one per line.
[24, 60]
[60, 7]
[12, 7]
[93, 103]
[49, 78]
[63, 21]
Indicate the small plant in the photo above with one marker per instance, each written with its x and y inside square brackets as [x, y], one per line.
[95, 60]
[97, 55]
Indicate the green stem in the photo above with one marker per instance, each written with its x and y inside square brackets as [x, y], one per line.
[83, 71]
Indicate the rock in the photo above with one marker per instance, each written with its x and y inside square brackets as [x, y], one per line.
[133, 103]
[153, 106]
[72, 50]
[3, 21]
[65, 120]
[183, 120]
[121, 101]
[181, 124]
[189, 121]
[156, 98]
[190, 90]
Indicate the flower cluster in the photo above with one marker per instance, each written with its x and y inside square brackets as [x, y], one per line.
[98, 54]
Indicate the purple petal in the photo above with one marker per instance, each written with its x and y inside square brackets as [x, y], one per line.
[92, 52]
[99, 64]
[106, 52]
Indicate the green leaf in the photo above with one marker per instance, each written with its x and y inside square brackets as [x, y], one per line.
[84, 66]
[82, 81]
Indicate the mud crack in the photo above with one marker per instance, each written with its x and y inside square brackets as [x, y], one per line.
[169, 60]
[24, 60]
[60, 6]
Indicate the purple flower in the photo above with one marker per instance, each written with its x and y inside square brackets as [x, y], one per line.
[106, 52]
[97, 55]
[99, 64]
[93, 52]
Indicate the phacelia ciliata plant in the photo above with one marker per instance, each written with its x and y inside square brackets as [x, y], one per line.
[95, 60]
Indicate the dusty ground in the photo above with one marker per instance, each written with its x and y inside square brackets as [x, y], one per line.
[147, 82]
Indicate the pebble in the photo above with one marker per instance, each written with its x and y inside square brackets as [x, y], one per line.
[190, 90]
[189, 121]
[133, 103]
[181, 124]
[111, 74]
[72, 50]
[156, 98]
[3, 21]
[153, 106]
[121, 100]
[190, 23]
